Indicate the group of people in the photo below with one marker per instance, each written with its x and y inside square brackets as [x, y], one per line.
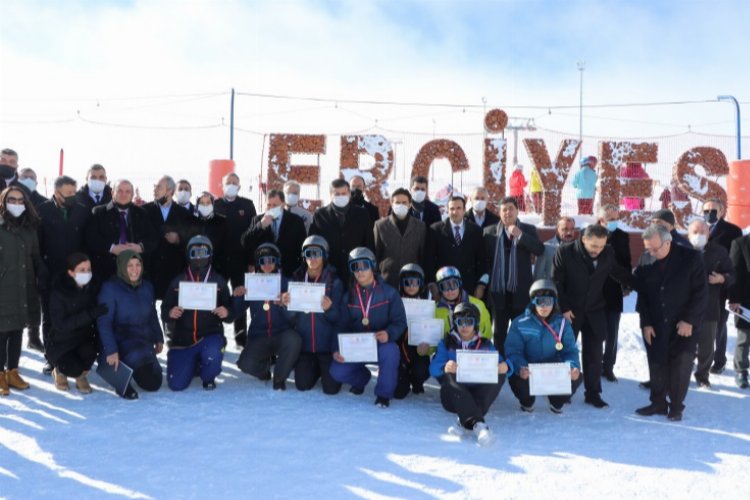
[84, 270]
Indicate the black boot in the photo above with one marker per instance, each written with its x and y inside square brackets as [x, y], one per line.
[240, 338]
[35, 341]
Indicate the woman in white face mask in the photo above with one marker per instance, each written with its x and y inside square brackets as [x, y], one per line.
[213, 226]
[20, 263]
[72, 346]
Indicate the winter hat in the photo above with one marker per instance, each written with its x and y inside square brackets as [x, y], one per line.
[122, 266]
[587, 162]
[664, 215]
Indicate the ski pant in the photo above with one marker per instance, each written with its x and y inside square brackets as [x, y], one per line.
[413, 371]
[470, 401]
[10, 349]
[206, 356]
[255, 357]
[312, 366]
[671, 379]
[357, 375]
[76, 361]
[521, 391]
[705, 349]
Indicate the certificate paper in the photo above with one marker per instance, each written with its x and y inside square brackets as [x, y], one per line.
[549, 379]
[476, 367]
[419, 308]
[197, 296]
[262, 286]
[426, 330]
[358, 347]
[306, 297]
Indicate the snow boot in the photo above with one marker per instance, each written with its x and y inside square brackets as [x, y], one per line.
[34, 341]
[82, 383]
[61, 381]
[483, 434]
[4, 389]
[15, 381]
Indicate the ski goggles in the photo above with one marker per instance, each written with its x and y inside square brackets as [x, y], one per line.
[313, 253]
[411, 282]
[543, 301]
[360, 265]
[465, 321]
[201, 252]
[267, 260]
[449, 285]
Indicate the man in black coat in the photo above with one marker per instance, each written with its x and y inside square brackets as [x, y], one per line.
[116, 227]
[96, 191]
[672, 298]
[171, 224]
[280, 227]
[722, 232]
[580, 269]
[739, 295]
[27, 179]
[238, 213]
[344, 226]
[421, 207]
[466, 252]
[508, 247]
[8, 168]
[358, 186]
[478, 213]
[720, 276]
[619, 240]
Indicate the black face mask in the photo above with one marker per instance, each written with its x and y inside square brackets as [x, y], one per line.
[357, 195]
[200, 264]
[163, 200]
[711, 217]
[123, 206]
[70, 201]
[7, 171]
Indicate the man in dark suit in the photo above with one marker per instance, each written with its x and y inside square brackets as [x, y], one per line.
[508, 248]
[358, 197]
[170, 223]
[619, 240]
[723, 233]
[183, 196]
[344, 226]
[672, 296]
[116, 227]
[580, 269]
[739, 295]
[27, 179]
[421, 207]
[8, 168]
[457, 242]
[280, 227]
[478, 213]
[96, 191]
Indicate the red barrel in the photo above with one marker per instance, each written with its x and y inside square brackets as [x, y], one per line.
[738, 193]
[217, 169]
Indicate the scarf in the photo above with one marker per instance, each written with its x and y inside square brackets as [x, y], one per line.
[499, 282]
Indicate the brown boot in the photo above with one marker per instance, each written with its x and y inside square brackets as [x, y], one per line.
[61, 381]
[4, 390]
[82, 383]
[15, 381]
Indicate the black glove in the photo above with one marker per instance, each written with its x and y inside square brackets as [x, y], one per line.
[98, 310]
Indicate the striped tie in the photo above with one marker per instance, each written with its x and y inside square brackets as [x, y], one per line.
[457, 235]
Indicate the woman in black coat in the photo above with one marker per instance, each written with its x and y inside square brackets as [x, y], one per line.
[72, 345]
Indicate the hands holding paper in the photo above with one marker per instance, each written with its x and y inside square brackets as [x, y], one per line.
[423, 349]
[176, 312]
[450, 367]
[113, 360]
[524, 373]
[239, 291]
[502, 368]
[382, 336]
[338, 357]
[158, 347]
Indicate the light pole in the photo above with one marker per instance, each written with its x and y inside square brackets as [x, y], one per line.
[737, 115]
[581, 67]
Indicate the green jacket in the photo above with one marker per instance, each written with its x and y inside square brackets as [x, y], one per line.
[19, 260]
[485, 322]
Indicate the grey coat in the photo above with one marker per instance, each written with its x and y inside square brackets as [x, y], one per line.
[393, 250]
[543, 265]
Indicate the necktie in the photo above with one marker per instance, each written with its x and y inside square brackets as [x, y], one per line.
[123, 228]
[457, 235]
[98, 198]
[275, 230]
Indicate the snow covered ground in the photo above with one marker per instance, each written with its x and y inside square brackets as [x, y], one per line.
[246, 441]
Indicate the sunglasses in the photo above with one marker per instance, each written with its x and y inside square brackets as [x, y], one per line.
[449, 285]
[411, 282]
[267, 260]
[544, 301]
[360, 265]
[199, 253]
[313, 253]
[465, 321]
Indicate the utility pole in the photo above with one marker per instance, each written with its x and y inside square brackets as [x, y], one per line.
[581, 67]
[730, 98]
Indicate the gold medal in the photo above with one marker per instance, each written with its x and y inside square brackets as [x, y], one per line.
[559, 346]
[267, 307]
[365, 321]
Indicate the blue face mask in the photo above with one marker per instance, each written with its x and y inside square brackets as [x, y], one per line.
[611, 225]
[29, 183]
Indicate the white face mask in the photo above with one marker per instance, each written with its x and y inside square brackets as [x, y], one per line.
[205, 210]
[480, 205]
[29, 183]
[400, 210]
[418, 196]
[83, 279]
[16, 210]
[96, 186]
[698, 240]
[183, 197]
[292, 199]
[274, 212]
[341, 201]
[231, 190]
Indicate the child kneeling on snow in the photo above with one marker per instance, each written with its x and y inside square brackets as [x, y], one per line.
[470, 401]
[196, 338]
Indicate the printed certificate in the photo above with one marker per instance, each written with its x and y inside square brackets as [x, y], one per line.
[197, 296]
[306, 297]
[262, 286]
[549, 379]
[476, 367]
[358, 347]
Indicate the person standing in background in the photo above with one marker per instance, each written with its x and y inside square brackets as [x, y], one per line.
[584, 183]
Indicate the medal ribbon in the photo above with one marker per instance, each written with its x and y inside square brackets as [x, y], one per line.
[558, 337]
[192, 278]
[365, 311]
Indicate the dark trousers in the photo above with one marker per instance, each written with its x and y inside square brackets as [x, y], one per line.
[705, 349]
[237, 278]
[358, 375]
[502, 314]
[741, 363]
[720, 353]
[206, 356]
[413, 371]
[148, 376]
[610, 343]
[470, 401]
[73, 363]
[671, 379]
[10, 349]
[593, 329]
[46, 322]
[255, 357]
[312, 366]
[521, 391]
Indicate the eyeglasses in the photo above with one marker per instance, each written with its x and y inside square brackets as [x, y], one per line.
[410, 282]
[449, 285]
[544, 301]
[267, 260]
[313, 253]
[465, 321]
[14, 201]
[199, 252]
[360, 265]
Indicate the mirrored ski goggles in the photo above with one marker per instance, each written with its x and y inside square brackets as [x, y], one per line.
[360, 265]
[543, 301]
[267, 260]
[313, 253]
[201, 252]
[411, 282]
[449, 285]
[465, 321]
